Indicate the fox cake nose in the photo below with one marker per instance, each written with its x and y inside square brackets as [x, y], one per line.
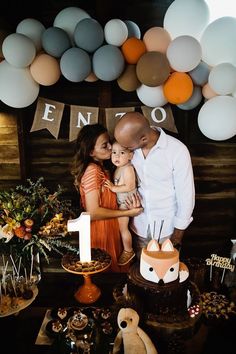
[161, 282]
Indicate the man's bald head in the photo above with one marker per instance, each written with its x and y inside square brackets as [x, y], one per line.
[131, 128]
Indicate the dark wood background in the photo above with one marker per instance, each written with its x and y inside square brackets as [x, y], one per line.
[31, 155]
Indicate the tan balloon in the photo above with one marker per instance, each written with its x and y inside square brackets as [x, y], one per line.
[45, 70]
[128, 81]
[208, 92]
[91, 78]
[156, 39]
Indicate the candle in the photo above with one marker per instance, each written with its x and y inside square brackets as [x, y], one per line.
[82, 224]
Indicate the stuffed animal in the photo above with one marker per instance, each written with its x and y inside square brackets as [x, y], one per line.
[133, 338]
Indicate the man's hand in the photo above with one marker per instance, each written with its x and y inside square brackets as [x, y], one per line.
[177, 237]
[133, 201]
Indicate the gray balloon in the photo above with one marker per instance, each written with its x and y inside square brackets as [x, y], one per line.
[108, 62]
[55, 41]
[88, 35]
[75, 64]
[200, 74]
[133, 29]
[193, 101]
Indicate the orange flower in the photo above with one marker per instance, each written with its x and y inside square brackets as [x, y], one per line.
[29, 223]
[20, 232]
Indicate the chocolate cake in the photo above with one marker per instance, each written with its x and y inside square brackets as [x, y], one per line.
[160, 282]
[166, 302]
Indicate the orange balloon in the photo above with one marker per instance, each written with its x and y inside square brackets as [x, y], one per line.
[178, 88]
[132, 49]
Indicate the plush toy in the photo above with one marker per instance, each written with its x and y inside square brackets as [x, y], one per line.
[133, 338]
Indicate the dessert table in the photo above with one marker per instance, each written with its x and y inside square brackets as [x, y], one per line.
[19, 332]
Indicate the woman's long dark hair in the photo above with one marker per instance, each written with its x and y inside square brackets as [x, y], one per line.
[84, 145]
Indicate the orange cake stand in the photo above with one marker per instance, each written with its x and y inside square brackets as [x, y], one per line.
[88, 292]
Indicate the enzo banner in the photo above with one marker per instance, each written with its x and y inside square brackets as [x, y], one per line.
[49, 114]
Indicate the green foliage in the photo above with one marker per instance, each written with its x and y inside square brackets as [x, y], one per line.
[33, 220]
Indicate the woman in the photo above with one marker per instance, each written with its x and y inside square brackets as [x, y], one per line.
[91, 171]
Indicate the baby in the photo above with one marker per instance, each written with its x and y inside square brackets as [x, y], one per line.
[125, 182]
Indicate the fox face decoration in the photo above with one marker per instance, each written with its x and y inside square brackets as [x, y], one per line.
[160, 263]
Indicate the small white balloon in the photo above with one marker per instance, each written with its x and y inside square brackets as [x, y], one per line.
[222, 79]
[151, 96]
[217, 119]
[17, 87]
[18, 50]
[184, 53]
[115, 32]
[33, 29]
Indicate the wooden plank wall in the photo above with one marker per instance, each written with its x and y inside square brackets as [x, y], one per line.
[9, 148]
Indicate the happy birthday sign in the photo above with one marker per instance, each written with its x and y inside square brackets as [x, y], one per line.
[219, 262]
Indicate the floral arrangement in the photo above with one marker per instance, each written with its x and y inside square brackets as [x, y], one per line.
[33, 220]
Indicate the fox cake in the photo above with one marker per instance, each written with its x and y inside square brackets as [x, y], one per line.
[161, 283]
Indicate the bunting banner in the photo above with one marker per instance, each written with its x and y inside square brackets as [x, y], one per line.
[80, 116]
[49, 115]
[113, 114]
[160, 117]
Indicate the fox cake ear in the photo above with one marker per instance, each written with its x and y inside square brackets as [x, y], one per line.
[167, 246]
[153, 246]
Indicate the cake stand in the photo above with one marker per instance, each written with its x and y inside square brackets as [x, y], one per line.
[88, 292]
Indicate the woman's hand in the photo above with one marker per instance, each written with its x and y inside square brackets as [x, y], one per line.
[110, 185]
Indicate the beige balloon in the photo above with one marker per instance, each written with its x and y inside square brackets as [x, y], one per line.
[45, 70]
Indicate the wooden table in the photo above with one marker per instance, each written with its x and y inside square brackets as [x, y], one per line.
[19, 332]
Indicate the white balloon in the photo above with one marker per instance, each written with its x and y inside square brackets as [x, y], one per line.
[151, 96]
[115, 32]
[218, 42]
[222, 79]
[186, 17]
[17, 87]
[32, 29]
[68, 18]
[184, 53]
[18, 50]
[217, 118]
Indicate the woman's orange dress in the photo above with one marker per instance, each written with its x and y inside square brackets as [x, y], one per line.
[105, 233]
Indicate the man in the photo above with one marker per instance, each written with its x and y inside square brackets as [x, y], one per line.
[166, 182]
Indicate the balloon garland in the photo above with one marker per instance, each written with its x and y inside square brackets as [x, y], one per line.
[185, 61]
